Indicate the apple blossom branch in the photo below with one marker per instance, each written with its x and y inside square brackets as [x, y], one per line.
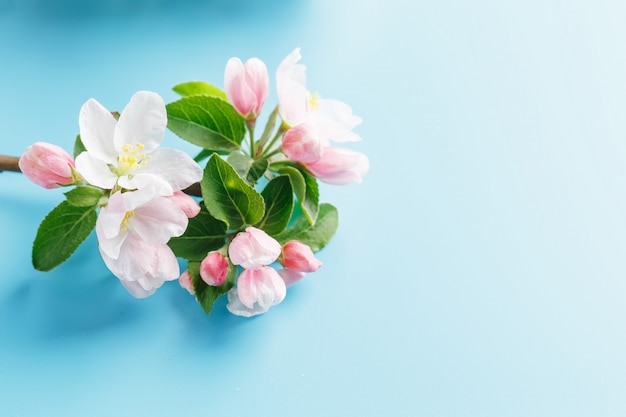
[11, 163]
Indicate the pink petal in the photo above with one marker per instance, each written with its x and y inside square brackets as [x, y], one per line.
[157, 221]
[186, 203]
[262, 286]
[253, 248]
[290, 276]
[340, 166]
[143, 267]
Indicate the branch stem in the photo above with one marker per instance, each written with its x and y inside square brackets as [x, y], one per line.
[9, 163]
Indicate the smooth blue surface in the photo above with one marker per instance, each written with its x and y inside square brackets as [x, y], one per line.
[478, 271]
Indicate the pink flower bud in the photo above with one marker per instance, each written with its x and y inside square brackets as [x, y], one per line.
[185, 281]
[246, 85]
[253, 249]
[186, 203]
[47, 165]
[340, 166]
[214, 269]
[298, 256]
[301, 144]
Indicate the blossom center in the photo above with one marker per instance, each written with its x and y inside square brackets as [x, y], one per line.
[131, 158]
[129, 215]
[314, 101]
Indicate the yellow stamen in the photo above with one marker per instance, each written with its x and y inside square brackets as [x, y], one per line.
[127, 217]
[129, 160]
[314, 101]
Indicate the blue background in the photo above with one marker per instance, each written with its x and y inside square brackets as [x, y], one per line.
[479, 270]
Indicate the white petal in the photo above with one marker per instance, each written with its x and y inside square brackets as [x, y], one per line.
[97, 126]
[143, 121]
[291, 88]
[146, 265]
[333, 120]
[95, 170]
[143, 181]
[174, 166]
[236, 307]
[108, 226]
[136, 290]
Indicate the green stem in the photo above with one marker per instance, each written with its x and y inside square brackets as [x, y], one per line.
[267, 132]
[268, 150]
[274, 152]
[250, 125]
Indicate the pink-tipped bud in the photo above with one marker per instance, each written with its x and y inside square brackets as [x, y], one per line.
[246, 86]
[301, 144]
[340, 166]
[253, 249]
[298, 256]
[186, 203]
[214, 269]
[185, 281]
[47, 165]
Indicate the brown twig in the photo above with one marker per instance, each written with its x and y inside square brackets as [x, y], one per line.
[10, 163]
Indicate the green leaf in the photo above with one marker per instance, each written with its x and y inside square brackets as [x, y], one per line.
[207, 294]
[84, 196]
[257, 169]
[248, 168]
[306, 189]
[79, 147]
[228, 197]
[278, 196]
[206, 121]
[202, 155]
[204, 234]
[240, 162]
[193, 88]
[60, 233]
[317, 235]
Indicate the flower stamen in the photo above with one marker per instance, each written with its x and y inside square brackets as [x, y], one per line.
[129, 160]
[129, 215]
[314, 100]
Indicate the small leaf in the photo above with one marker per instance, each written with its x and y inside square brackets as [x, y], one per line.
[79, 147]
[204, 233]
[257, 169]
[206, 121]
[278, 196]
[60, 233]
[193, 88]
[203, 154]
[240, 162]
[207, 294]
[306, 190]
[85, 196]
[248, 168]
[228, 197]
[316, 236]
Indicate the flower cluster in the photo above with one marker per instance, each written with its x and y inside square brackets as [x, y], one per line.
[251, 227]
